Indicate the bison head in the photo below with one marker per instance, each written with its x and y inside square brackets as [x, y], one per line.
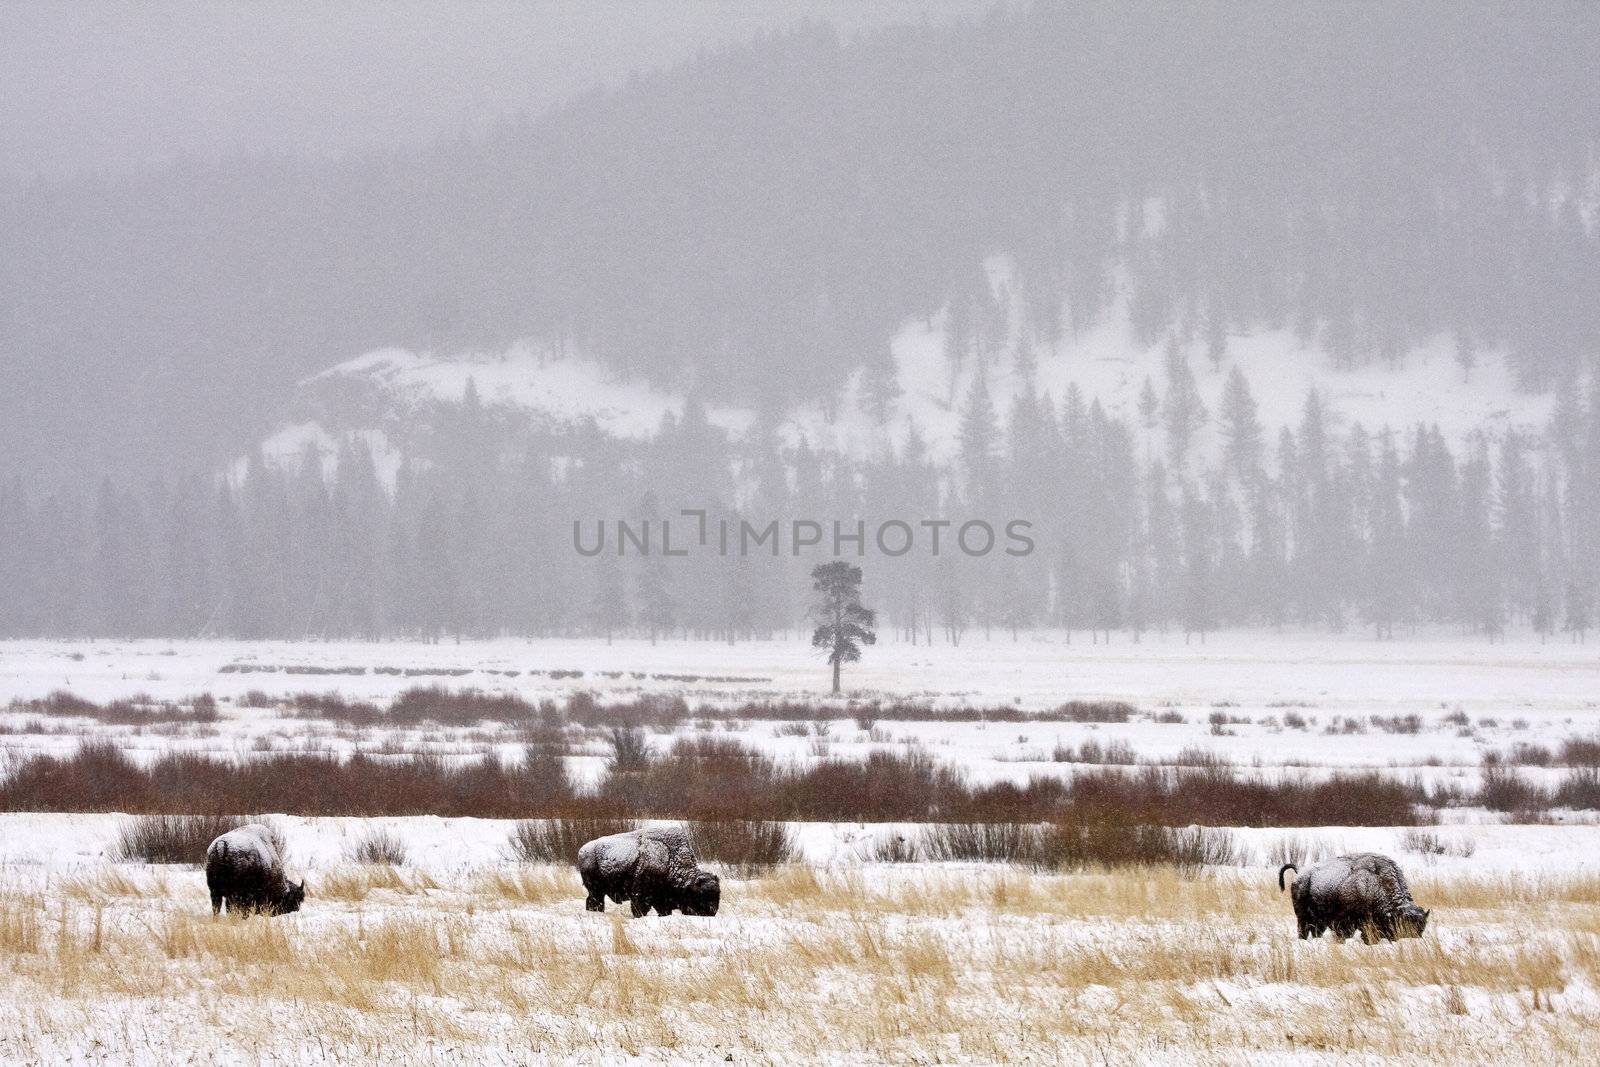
[703, 894]
[292, 898]
[1410, 921]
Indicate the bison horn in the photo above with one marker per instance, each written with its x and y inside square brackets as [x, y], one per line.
[1285, 867]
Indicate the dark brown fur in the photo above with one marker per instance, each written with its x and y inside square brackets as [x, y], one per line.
[1362, 894]
[660, 874]
[245, 871]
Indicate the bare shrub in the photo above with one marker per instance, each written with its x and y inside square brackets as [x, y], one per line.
[1429, 843]
[1581, 752]
[1195, 756]
[375, 846]
[169, 838]
[1580, 788]
[1398, 724]
[745, 845]
[894, 846]
[1527, 755]
[1002, 842]
[1115, 753]
[1170, 718]
[630, 749]
[1202, 846]
[139, 709]
[1080, 844]
[1503, 789]
[465, 707]
[334, 707]
[1290, 848]
[558, 840]
[1094, 711]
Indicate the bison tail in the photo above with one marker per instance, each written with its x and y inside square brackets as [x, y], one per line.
[1285, 867]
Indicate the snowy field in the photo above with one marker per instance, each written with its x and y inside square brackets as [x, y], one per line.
[1428, 708]
[461, 956]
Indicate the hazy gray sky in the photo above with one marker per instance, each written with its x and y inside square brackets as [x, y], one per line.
[117, 84]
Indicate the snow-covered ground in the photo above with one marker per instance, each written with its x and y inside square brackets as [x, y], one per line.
[447, 848]
[1333, 673]
[461, 957]
[1294, 700]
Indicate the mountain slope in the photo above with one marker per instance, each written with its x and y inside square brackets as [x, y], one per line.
[756, 225]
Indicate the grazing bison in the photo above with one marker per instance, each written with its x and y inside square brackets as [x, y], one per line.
[1364, 893]
[244, 868]
[650, 868]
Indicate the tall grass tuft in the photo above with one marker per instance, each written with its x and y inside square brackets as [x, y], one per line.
[377, 846]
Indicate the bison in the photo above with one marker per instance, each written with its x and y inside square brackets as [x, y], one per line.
[1364, 893]
[649, 868]
[245, 868]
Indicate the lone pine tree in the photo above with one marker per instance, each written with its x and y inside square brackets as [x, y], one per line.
[843, 625]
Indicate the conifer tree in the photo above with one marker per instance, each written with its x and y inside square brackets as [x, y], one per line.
[1185, 411]
[1241, 428]
[843, 625]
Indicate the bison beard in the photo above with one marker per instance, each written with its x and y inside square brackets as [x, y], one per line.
[652, 869]
[245, 871]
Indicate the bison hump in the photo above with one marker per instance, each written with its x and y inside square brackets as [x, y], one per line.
[1325, 878]
[250, 845]
[612, 855]
[675, 839]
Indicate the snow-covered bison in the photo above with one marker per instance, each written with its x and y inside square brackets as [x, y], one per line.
[650, 868]
[1364, 893]
[245, 869]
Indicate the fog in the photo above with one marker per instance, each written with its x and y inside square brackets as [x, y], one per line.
[115, 85]
[853, 266]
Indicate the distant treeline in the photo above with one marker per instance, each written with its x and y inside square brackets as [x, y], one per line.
[1316, 524]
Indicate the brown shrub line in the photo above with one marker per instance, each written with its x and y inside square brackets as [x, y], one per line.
[701, 777]
[137, 710]
[467, 707]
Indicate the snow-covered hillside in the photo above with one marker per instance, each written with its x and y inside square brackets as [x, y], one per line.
[381, 394]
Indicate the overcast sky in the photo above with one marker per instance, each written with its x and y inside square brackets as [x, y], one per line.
[120, 84]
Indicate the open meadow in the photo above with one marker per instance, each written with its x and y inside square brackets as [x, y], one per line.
[499, 963]
[940, 911]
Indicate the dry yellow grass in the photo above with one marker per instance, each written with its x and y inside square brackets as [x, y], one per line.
[357, 881]
[905, 965]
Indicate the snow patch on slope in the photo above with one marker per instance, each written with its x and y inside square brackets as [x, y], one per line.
[1105, 363]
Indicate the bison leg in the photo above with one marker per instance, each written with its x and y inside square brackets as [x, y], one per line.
[216, 903]
[640, 906]
[595, 903]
